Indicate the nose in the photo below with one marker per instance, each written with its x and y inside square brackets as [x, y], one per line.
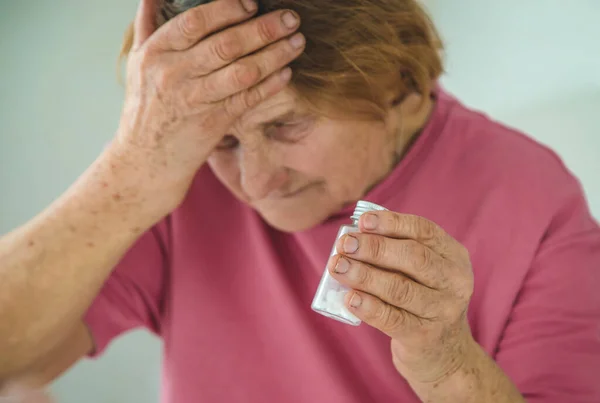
[259, 174]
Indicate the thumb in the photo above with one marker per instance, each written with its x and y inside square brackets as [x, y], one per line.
[145, 22]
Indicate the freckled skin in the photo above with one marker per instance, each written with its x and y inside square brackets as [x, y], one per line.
[53, 266]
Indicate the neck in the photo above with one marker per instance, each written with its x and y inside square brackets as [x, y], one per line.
[415, 116]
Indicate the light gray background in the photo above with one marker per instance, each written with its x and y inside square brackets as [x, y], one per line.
[534, 64]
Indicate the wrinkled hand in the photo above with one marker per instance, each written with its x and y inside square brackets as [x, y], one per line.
[412, 281]
[189, 79]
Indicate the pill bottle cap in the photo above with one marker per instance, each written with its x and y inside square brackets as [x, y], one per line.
[364, 207]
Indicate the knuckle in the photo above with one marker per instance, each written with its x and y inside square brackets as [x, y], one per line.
[240, 102]
[246, 74]
[389, 320]
[229, 107]
[364, 276]
[405, 252]
[396, 222]
[425, 228]
[267, 29]
[207, 89]
[228, 47]
[191, 23]
[207, 86]
[376, 245]
[422, 258]
[251, 98]
[401, 290]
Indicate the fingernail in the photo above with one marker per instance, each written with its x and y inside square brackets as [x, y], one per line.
[370, 221]
[297, 41]
[289, 19]
[342, 266]
[355, 301]
[249, 5]
[286, 74]
[350, 244]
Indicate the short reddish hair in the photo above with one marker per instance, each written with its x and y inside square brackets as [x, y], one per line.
[357, 50]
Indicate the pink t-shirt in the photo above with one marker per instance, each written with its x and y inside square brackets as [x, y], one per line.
[230, 296]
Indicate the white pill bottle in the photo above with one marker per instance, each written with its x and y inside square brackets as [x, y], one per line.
[329, 298]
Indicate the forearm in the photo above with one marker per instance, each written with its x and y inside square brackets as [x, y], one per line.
[479, 379]
[52, 267]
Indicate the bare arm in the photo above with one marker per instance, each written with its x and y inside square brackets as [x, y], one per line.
[185, 88]
[479, 379]
[75, 344]
[52, 267]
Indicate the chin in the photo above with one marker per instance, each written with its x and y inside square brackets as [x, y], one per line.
[292, 219]
[290, 223]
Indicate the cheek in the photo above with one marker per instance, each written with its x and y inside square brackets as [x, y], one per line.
[303, 159]
[332, 154]
[354, 157]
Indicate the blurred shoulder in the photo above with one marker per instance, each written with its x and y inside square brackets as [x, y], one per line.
[487, 150]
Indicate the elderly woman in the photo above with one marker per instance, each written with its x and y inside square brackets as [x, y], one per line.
[248, 134]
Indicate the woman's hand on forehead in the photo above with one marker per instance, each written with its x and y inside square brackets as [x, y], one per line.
[171, 8]
[190, 78]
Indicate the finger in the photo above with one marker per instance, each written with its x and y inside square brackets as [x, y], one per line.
[406, 256]
[188, 28]
[236, 105]
[403, 226]
[144, 24]
[227, 46]
[250, 70]
[390, 320]
[392, 288]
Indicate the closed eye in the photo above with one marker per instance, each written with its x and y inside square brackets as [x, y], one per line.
[283, 131]
[289, 132]
[228, 142]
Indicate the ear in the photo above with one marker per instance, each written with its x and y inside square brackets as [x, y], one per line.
[397, 100]
[410, 104]
[394, 114]
[404, 106]
[406, 116]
